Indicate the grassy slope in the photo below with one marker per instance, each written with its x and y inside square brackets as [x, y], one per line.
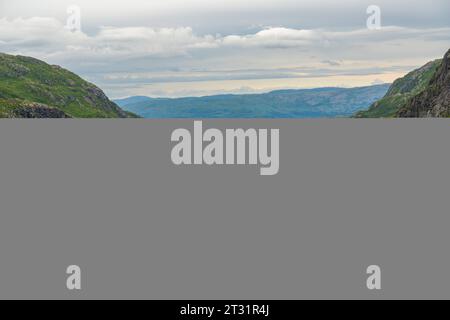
[401, 91]
[24, 80]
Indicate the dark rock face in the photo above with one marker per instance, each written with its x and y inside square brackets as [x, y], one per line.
[434, 101]
[36, 110]
[97, 96]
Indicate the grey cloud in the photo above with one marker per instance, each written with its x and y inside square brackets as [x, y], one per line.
[300, 73]
[331, 63]
[232, 16]
[145, 42]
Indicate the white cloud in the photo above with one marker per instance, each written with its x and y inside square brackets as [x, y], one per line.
[50, 36]
[276, 38]
[117, 57]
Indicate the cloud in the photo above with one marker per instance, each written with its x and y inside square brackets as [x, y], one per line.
[331, 63]
[49, 35]
[233, 16]
[276, 38]
[117, 57]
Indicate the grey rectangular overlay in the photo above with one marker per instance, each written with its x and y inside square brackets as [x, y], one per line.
[104, 195]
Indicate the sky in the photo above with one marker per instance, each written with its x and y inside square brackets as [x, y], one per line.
[174, 48]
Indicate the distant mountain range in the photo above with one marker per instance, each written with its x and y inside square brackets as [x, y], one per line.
[30, 88]
[308, 103]
[424, 92]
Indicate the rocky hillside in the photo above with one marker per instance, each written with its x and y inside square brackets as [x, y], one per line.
[30, 88]
[401, 91]
[434, 100]
[13, 108]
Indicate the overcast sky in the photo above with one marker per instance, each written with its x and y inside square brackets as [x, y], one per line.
[201, 47]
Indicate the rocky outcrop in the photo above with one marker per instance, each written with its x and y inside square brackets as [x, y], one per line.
[36, 110]
[434, 100]
[401, 91]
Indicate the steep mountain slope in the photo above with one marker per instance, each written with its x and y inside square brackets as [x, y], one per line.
[33, 88]
[434, 100]
[401, 91]
[311, 103]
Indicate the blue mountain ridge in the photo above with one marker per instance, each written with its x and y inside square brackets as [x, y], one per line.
[304, 103]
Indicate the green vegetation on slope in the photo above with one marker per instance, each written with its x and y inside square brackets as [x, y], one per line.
[30, 83]
[434, 100]
[401, 91]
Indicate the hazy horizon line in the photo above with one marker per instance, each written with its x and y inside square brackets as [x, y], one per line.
[247, 94]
